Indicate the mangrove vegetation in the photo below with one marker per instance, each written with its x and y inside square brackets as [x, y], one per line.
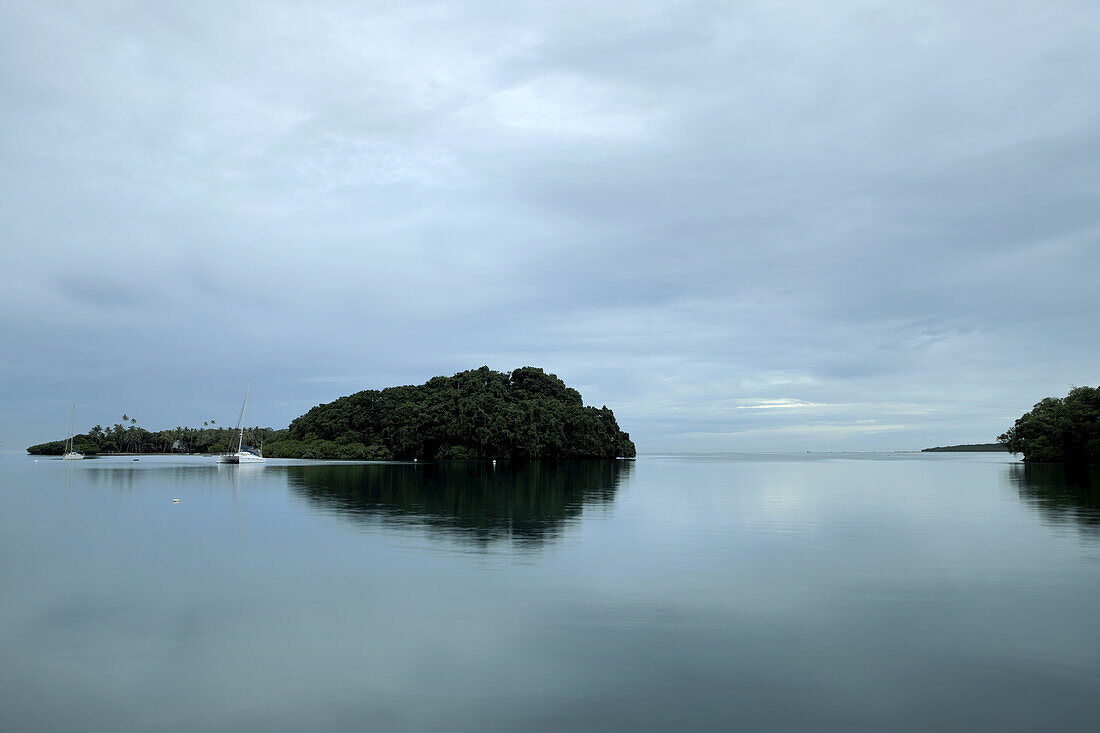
[1059, 429]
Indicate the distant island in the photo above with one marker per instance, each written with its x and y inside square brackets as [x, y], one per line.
[1059, 429]
[479, 413]
[968, 448]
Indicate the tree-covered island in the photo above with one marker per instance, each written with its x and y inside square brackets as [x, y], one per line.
[478, 413]
[968, 448]
[1059, 429]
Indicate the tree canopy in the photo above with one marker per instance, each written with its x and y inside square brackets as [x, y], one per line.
[133, 438]
[1059, 429]
[478, 413]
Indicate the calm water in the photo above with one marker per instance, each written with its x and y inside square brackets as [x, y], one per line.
[843, 592]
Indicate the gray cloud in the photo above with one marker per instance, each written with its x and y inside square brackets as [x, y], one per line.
[880, 219]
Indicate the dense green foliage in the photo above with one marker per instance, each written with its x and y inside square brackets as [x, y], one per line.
[968, 448]
[1059, 429]
[342, 449]
[474, 414]
[132, 438]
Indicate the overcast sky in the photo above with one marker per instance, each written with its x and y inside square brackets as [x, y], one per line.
[741, 225]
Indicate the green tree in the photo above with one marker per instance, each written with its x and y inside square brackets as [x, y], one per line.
[1059, 429]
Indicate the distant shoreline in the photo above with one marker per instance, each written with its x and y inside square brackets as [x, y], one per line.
[118, 455]
[969, 448]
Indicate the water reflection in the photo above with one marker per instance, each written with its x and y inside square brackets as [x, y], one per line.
[527, 502]
[130, 476]
[1063, 494]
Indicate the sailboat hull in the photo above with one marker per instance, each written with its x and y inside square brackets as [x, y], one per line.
[241, 457]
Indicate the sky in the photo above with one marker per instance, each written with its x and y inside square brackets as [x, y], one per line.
[743, 226]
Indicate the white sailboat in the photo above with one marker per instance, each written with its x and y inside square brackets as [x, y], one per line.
[243, 454]
[70, 453]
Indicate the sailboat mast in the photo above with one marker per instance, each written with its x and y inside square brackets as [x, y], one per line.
[244, 407]
[72, 425]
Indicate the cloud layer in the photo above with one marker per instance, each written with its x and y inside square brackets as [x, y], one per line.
[879, 222]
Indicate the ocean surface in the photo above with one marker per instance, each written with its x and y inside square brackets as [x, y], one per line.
[825, 592]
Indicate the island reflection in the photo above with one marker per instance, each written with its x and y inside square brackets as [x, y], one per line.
[527, 502]
[1062, 494]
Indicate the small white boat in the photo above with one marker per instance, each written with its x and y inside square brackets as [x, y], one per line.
[70, 453]
[243, 454]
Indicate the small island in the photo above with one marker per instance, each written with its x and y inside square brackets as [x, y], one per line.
[478, 413]
[968, 448]
[1059, 429]
[475, 414]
